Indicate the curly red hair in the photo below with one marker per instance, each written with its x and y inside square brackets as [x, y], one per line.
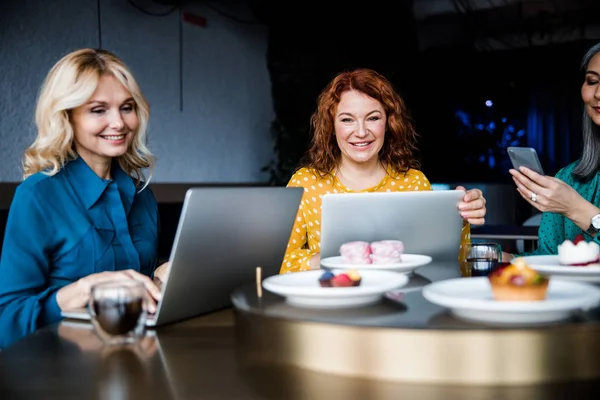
[399, 149]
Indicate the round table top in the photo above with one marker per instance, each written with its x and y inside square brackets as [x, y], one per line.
[199, 358]
[408, 309]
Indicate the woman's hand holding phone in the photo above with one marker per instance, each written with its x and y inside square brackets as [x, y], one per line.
[546, 193]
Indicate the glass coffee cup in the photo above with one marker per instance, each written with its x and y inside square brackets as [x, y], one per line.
[479, 259]
[119, 310]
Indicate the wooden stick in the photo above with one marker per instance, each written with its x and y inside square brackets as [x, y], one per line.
[259, 282]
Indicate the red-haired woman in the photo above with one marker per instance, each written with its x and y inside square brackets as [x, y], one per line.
[362, 141]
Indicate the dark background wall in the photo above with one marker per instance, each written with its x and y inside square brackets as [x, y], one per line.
[206, 79]
[446, 58]
[267, 61]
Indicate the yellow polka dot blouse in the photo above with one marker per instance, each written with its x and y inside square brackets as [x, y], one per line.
[305, 239]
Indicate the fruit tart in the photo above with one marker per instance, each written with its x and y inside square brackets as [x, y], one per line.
[345, 279]
[518, 282]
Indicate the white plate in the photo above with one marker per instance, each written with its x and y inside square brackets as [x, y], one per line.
[472, 299]
[303, 289]
[410, 262]
[549, 265]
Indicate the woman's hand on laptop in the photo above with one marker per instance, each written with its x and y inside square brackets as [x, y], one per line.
[162, 273]
[77, 294]
[472, 206]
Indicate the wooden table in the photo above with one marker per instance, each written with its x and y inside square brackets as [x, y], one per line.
[189, 360]
[197, 359]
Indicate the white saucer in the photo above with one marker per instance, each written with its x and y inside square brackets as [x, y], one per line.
[471, 299]
[410, 262]
[303, 289]
[549, 265]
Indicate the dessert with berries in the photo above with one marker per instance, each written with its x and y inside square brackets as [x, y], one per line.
[346, 279]
[578, 253]
[518, 282]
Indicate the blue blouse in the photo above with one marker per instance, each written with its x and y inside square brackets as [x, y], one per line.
[64, 227]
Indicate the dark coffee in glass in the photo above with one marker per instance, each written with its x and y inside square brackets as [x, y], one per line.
[479, 259]
[117, 317]
[481, 266]
[118, 310]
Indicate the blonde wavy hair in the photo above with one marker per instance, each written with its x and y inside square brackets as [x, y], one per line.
[69, 84]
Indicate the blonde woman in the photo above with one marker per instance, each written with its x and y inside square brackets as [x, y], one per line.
[84, 213]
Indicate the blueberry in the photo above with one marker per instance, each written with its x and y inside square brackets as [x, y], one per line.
[327, 275]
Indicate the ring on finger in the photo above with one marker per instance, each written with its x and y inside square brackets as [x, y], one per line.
[533, 197]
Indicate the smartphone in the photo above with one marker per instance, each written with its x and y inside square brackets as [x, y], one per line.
[525, 157]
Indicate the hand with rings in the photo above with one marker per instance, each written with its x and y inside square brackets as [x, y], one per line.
[545, 193]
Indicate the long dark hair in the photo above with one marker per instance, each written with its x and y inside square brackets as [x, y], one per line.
[589, 162]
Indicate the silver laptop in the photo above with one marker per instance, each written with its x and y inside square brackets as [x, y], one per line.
[426, 222]
[224, 233]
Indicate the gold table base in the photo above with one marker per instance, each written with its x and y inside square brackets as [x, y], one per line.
[438, 356]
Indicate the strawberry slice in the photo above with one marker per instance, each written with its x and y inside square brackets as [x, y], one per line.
[578, 238]
[499, 269]
[342, 280]
[517, 280]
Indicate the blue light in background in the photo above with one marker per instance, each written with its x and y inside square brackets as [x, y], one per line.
[487, 138]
